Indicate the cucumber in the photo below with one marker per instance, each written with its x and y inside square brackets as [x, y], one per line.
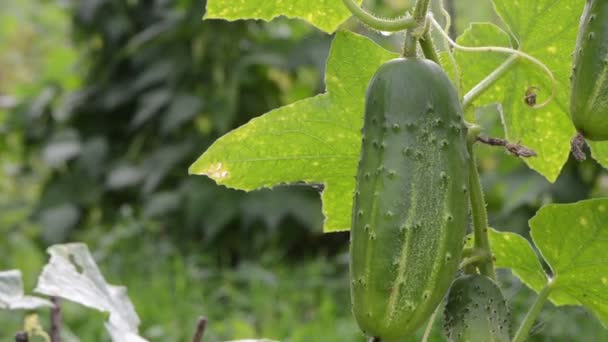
[476, 311]
[410, 204]
[589, 82]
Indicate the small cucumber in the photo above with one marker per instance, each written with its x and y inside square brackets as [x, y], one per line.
[410, 205]
[589, 83]
[476, 311]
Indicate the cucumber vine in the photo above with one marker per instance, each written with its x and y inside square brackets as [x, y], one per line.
[386, 25]
[486, 83]
[417, 185]
[477, 259]
[418, 33]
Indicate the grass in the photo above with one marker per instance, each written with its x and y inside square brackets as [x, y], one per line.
[270, 297]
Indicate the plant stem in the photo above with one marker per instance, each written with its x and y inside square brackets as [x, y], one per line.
[387, 25]
[201, 324]
[487, 82]
[515, 149]
[422, 6]
[480, 216]
[56, 320]
[415, 33]
[502, 49]
[472, 260]
[526, 324]
[431, 323]
[409, 45]
[428, 48]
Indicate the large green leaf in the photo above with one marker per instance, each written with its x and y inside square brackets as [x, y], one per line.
[324, 14]
[573, 239]
[515, 252]
[316, 140]
[545, 29]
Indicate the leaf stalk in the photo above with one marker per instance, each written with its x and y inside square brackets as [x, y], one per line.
[489, 81]
[506, 50]
[537, 307]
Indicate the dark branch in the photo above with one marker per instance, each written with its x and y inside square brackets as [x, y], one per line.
[21, 336]
[200, 329]
[515, 149]
[56, 320]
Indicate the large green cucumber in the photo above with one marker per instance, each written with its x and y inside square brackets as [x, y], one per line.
[476, 311]
[410, 205]
[589, 91]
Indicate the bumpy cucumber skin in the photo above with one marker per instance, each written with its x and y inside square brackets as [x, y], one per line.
[589, 84]
[410, 205]
[476, 311]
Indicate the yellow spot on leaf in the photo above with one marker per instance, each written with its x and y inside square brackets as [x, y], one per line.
[217, 172]
[552, 49]
[583, 221]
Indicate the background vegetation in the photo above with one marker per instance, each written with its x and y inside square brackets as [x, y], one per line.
[105, 103]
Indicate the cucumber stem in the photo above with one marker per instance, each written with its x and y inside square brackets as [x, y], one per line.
[422, 7]
[480, 216]
[415, 33]
[428, 48]
[387, 25]
[409, 45]
[537, 307]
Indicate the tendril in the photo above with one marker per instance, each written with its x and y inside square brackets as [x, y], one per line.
[505, 50]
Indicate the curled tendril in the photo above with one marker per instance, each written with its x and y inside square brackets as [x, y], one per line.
[505, 50]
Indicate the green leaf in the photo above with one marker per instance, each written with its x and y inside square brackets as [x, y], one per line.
[515, 252]
[599, 151]
[324, 14]
[316, 140]
[573, 239]
[479, 64]
[545, 29]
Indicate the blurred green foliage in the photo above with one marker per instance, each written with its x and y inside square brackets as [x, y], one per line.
[158, 86]
[109, 117]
